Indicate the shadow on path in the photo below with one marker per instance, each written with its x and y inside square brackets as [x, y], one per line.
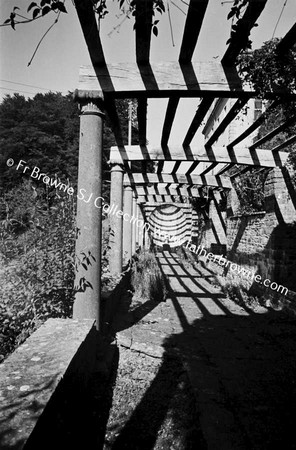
[241, 365]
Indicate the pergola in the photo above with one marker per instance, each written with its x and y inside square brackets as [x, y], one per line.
[207, 165]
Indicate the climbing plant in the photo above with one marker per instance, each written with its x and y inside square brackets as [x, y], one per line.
[269, 70]
[43, 7]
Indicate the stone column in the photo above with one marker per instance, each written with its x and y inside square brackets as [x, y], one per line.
[127, 226]
[141, 219]
[116, 213]
[137, 227]
[134, 225]
[89, 212]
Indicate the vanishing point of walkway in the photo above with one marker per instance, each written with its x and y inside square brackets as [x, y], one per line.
[240, 364]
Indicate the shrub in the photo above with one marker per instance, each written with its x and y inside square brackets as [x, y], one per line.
[37, 239]
[147, 279]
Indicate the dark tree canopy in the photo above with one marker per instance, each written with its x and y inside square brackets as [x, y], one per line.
[44, 132]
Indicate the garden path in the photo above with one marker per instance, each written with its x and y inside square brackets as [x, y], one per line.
[239, 366]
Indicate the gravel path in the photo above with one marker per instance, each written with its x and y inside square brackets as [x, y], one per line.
[200, 371]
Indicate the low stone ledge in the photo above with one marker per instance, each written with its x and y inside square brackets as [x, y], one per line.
[30, 375]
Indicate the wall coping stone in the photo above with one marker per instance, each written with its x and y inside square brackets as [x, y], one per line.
[31, 374]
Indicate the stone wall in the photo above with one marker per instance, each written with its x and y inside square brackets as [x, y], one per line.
[263, 243]
[266, 242]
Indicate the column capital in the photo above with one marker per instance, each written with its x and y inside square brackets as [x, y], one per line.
[127, 186]
[115, 167]
[90, 102]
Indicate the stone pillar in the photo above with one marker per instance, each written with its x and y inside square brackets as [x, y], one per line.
[127, 226]
[89, 212]
[116, 225]
[141, 231]
[134, 225]
[137, 227]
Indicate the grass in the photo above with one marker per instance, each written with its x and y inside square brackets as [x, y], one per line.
[147, 279]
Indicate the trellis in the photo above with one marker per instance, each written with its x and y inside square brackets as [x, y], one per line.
[207, 165]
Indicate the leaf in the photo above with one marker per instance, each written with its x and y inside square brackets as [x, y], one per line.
[31, 6]
[46, 10]
[155, 31]
[45, 2]
[61, 7]
[36, 12]
[12, 23]
[16, 7]
[121, 3]
[231, 13]
[161, 5]
[7, 21]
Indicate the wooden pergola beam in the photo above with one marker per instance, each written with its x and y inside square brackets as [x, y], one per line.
[241, 35]
[225, 169]
[273, 133]
[232, 113]
[143, 27]
[198, 118]
[148, 207]
[285, 144]
[154, 178]
[169, 118]
[111, 110]
[288, 41]
[258, 157]
[195, 15]
[163, 79]
[167, 190]
[90, 31]
[240, 172]
[142, 120]
[256, 124]
[161, 199]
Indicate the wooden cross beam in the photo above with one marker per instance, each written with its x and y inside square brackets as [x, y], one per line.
[150, 206]
[194, 19]
[143, 26]
[258, 157]
[273, 132]
[142, 120]
[163, 79]
[223, 124]
[90, 30]
[161, 199]
[167, 190]
[288, 40]
[198, 118]
[169, 118]
[256, 124]
[243, 29]
[154, 178]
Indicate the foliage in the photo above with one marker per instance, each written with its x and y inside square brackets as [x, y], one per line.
[236, 12]
[44, 132]
[250, 191]
[37, 257]
[147, 279]
[269, 70]
[99, 6]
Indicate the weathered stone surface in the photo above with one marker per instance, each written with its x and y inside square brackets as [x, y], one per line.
[240, 362]
[30, 375]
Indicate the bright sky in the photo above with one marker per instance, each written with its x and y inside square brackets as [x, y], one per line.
[56, 64]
